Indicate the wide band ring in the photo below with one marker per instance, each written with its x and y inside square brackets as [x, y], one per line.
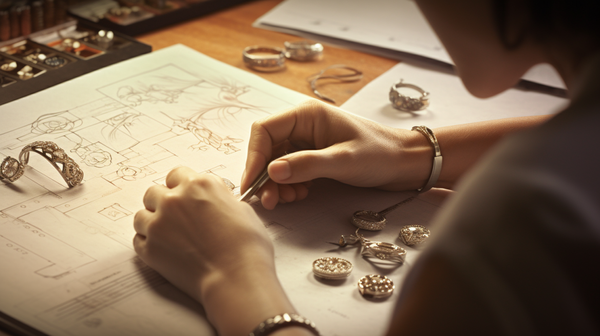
[405, 103]
[332, 268]
[384, 251]
[368, 220]
[375, 285]
[268, 58]
[303, 50]
[68, 169]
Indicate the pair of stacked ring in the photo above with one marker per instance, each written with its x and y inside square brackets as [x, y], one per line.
[273, 59]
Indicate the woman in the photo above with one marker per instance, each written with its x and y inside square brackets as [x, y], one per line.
[521, 238]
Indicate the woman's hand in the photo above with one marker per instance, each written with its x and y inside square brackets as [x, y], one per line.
[323, 141]
[196, 234]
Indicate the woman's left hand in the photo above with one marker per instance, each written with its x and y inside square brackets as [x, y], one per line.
[196, 234]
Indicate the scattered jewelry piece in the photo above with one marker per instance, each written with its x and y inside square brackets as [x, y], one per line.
[332, 268]
[9, 66]
[405, 103]
[369, 248]
[377, 286]
[414, 234]
[375, 221]
[354, 76]
[384, 251]
[11, 169]
[270, 59]
[303, 51]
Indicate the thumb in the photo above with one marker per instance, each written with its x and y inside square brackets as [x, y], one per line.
[305, 166]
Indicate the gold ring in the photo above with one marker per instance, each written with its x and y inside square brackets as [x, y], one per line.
[377, 286]
[414, 234]
[405, 103]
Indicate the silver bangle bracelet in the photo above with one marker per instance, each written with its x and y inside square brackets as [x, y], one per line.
[437, 157]
[281, 321]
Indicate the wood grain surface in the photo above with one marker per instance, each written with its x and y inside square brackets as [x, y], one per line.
[225, 34]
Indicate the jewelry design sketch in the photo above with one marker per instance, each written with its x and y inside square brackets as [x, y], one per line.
[12, 169]
[405, 103]
[375, 221]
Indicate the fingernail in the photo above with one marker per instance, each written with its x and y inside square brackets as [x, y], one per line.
[280, 170]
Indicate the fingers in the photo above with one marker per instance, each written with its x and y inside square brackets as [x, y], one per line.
[297, 124]
[178, 175]
[153, 196]
[141, 222]
[308, 165]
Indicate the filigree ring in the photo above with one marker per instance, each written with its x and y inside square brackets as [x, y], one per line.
[384, 251]
[414, 234]
[405, 103]
[11, 169]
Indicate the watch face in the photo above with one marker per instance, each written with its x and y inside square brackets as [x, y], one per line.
[55, 61]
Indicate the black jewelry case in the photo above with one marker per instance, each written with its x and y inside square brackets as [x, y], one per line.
[52, 56]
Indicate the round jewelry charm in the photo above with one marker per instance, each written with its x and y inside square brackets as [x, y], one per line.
[377, 286]
[332, 268]
[384, 251]
[414, 234]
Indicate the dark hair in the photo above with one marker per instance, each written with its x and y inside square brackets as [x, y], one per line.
[574, 21]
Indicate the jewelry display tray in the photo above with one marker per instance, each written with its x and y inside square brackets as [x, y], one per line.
[75, 66]
[151, 15]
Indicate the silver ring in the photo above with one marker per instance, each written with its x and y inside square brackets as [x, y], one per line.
[377, 286]
[332, 268]
[384, 251]
[269, 59]
[414, 234]
[405, 103]
[303, 50]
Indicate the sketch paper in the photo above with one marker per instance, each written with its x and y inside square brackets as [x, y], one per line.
[383, 27]
[66, 257]
[450, 102]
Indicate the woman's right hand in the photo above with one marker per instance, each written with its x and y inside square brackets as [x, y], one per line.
[316, 140]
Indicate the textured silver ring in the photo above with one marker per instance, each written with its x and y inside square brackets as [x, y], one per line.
[264, 58]
[303, 50]
[405, 103]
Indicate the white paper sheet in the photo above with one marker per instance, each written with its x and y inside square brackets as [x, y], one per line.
[383, 27]
[450, 102]
[66, 258]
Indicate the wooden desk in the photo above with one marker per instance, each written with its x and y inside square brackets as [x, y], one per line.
[225, 34]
